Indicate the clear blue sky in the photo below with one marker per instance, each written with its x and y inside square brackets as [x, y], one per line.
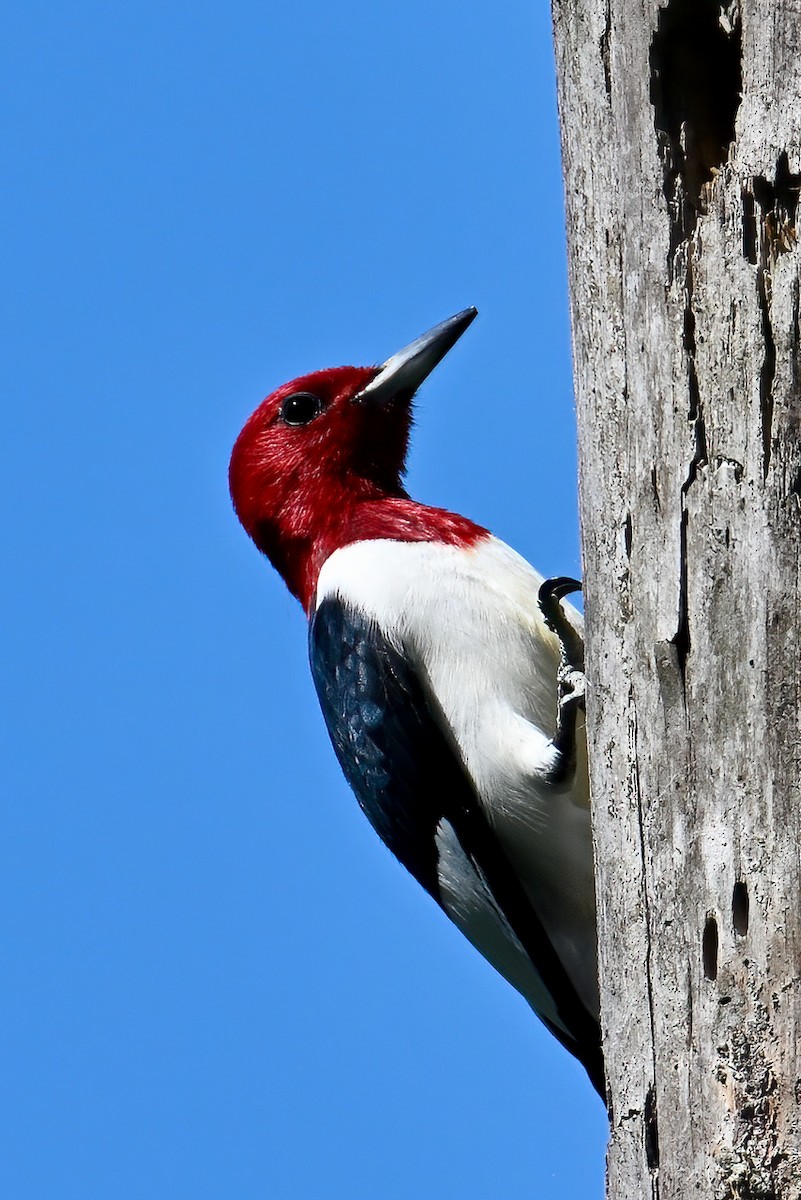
[217, 983]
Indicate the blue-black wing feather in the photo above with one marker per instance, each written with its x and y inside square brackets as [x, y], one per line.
[408, 778]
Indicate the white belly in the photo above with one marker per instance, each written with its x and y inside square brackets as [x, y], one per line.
[470, 623]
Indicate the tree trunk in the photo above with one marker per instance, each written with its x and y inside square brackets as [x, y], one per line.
[681, 132]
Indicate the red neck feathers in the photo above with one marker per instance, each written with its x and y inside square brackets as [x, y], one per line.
[396, 518]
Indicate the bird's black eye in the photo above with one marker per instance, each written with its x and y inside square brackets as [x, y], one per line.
[301, 408]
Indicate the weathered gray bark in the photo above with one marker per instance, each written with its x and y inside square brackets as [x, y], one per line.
[681, 129]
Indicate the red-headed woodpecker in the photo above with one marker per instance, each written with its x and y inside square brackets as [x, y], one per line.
[448, 672]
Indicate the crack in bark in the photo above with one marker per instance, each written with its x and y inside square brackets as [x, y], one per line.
[749, 227]
[795, 340]
[651, 1132]
[649, 1106]
[603, 46]
[767, 372]
[695, 414]
[681, 638]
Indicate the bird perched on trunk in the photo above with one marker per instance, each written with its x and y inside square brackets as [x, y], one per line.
[448, 671]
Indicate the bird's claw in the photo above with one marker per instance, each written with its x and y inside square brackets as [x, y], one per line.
[551, 593]
[571, 681]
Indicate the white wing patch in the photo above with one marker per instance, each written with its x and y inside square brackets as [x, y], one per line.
[470, 905]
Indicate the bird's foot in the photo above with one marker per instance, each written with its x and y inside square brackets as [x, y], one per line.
[571, 681]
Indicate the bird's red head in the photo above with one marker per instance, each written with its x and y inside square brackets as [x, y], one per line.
[320, 462]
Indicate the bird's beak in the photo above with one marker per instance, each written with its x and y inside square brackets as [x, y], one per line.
[406, 370]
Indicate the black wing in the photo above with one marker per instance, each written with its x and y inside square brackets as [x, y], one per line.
[408, 779]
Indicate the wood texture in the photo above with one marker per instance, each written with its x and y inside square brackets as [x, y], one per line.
[681, 132]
